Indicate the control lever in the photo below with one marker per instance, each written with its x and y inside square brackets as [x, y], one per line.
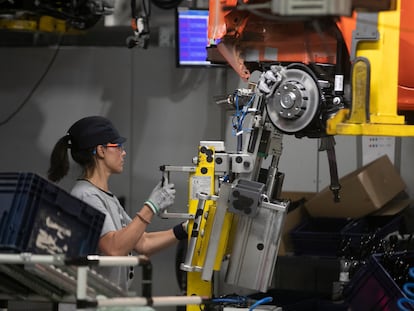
[165, 176]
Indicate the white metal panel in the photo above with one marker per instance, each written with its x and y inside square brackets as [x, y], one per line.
[299, 163]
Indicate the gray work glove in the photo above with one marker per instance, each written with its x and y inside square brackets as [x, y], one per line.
[161, 198]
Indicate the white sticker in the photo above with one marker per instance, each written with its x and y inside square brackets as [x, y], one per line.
[200, 184]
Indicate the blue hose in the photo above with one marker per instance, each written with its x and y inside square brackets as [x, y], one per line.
[407, 303]
[233, 300]
[260, 302]
[227, 300]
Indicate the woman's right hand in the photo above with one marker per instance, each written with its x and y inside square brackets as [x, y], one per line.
[161, 198]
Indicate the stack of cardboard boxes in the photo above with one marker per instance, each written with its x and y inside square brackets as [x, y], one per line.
[374, 189]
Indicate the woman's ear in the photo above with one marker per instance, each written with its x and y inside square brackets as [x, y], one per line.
[100, 151]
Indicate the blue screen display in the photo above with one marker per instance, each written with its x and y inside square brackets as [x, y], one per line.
[192, 36]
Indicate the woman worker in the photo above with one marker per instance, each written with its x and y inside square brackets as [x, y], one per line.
[96, 146]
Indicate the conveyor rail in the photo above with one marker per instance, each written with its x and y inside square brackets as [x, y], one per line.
[54, 278]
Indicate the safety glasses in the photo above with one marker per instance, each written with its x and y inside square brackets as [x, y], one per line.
[120, 147]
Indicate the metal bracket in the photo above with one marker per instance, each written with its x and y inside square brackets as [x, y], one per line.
[171, 168]
[366, 30]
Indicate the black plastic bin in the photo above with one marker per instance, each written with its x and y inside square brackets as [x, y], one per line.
[377, 285]
[370, 229]
[39, 217]
[318, 236]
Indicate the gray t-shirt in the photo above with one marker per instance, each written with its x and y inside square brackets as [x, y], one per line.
[115, 219]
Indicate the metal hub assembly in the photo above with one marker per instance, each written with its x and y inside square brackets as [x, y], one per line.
[295, 102]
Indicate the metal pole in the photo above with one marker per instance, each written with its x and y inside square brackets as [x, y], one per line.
[155, 301]
[82, 283]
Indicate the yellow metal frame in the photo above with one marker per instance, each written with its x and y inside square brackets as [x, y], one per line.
[383, 56]
[195, 284]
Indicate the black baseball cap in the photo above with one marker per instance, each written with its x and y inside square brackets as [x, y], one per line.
[92, 131]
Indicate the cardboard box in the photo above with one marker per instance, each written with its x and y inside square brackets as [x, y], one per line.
[363, 192]
[395, 206]
[293, 218]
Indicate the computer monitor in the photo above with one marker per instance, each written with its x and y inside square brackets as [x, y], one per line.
[192, 37]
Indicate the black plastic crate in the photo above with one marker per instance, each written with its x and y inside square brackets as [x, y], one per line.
[18, 193]
[39, 217]
[318, 236]
[365, 234]
[377, 285]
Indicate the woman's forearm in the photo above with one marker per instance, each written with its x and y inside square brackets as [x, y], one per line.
[152, 242]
